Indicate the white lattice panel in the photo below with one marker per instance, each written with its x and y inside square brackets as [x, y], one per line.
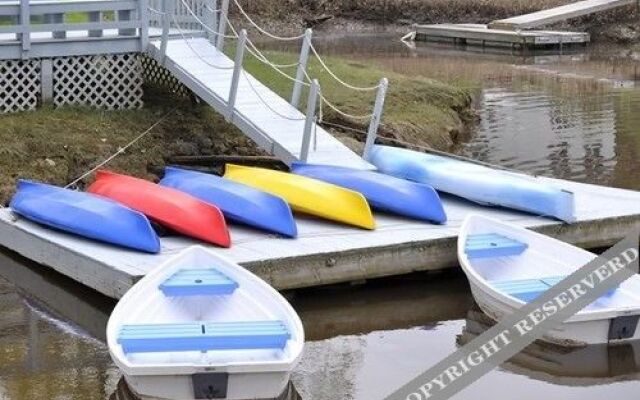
[19, 85]
[107, 81]
[156, 74]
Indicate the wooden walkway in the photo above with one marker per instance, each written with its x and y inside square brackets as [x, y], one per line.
[264, 116]
[558, 14]
[324, 252]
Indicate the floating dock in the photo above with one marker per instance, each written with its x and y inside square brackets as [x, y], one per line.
[517, 32]
[324, 253]
[481, 35]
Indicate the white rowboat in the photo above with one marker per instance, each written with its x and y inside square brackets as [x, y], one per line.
[508, 266]
[200, 326]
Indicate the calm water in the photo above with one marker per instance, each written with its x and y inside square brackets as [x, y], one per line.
[575, 116]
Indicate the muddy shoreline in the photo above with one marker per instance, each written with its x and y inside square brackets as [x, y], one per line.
[620, 25]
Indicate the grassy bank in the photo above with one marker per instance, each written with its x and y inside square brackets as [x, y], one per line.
[58, 145]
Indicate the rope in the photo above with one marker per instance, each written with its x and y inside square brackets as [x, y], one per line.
[264, 32]
[184, 38]
[266, 103]
[261, 57]
[120, 150]
[335, 108]
[153, 10]
[334, 76]
[204, 25]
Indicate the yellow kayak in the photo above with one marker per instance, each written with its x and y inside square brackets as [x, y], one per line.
[307, 195]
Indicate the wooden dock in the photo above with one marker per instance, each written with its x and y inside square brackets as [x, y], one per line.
[481, 35]
[557, 14]
[324, 253]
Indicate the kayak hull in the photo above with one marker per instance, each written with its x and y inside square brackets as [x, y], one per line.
[242, 370]
[238, 202]
[502, 284]
[475, 182]
[178, 211]
[306, 195]
[84, 214]
[383, 192]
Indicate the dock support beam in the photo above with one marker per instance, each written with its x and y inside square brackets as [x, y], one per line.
[310, 120]
[222, 24]
[143, 16]
[302, 67]
[372, 133]
[167, 9]
[25, 21]
[235, 79]
[211, 19]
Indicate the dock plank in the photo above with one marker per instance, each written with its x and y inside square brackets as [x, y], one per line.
[557, 14]
[325, 252]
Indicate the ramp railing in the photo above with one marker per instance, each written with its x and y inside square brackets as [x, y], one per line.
[219, 28]
[42, 28]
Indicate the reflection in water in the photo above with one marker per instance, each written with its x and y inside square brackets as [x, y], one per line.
[593, 365]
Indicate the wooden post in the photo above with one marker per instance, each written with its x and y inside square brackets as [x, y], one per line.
[310, 120]
[222, 24]
[24, 23]
[235, 79]
[46, 79]
[143, 19]
[375, 118]
[95, 16]
[167, 9]
[209, 19]
[125, 15]
[302, 67]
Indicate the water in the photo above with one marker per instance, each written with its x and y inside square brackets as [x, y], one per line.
[575, 116]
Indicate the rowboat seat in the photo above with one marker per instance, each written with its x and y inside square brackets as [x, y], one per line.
[493, 245]
[203, 336]
[198, 282]
[528, 289]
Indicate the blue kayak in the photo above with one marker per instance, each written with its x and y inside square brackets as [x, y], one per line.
[476, 182]
[84, 214]
[238, 202]
[383, 192]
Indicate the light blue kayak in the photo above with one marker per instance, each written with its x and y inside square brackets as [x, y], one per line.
[383, 192]
[476, 182]
[238, 202]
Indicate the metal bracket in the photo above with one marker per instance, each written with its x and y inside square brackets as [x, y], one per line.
[623, 327]
[210, 385]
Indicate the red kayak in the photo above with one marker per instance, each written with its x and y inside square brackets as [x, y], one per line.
[177, 210]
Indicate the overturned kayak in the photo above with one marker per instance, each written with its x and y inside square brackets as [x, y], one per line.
[84, 214]
[169, 207]
[306, 195]
[508, 266]
[383, 192]
[475, 182]
[238, 202]
[201, 327]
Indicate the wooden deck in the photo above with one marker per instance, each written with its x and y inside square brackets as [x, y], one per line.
[261, 114]
[478, 34]
[557, 14]
[324, 253]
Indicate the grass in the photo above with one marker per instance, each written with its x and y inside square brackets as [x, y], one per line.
[58, 145]
[417, 109]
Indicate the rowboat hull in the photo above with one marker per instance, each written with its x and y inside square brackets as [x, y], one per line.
[475, 182]
[238, 202]
[543, 258]
[383, 192]
[306, 195]
[84, 214]
[257, 371]
[169, 207]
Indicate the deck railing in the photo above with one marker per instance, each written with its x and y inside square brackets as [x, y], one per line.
[39, 28]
